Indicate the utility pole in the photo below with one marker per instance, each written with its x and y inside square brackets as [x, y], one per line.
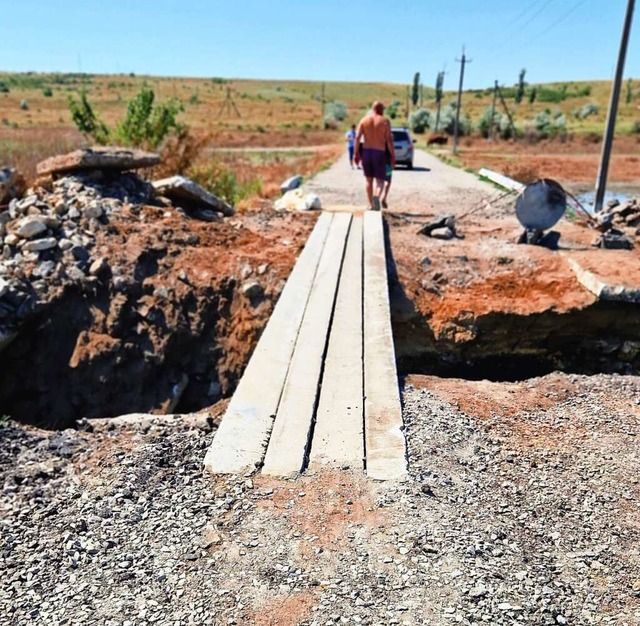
[506, 110]
[603, 169]
[228, 105]
[493, 109]
[456, 129]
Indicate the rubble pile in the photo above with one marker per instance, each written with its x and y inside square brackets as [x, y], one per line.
[48, 239]
[619, 224]
[624, 215]
[109, 295]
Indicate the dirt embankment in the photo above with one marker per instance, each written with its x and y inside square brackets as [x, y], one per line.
[134, 306]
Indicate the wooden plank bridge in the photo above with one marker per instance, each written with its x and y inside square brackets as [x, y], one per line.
[321, 386]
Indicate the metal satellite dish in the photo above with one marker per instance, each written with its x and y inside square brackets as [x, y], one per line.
[541, 204]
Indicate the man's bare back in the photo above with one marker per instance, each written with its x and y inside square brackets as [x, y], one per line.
[375, 129]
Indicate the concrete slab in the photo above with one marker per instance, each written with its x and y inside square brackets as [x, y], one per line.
[602, 288]
[501, 179]
[385, 446]
[240, 442]
[338, 434]
[289, 443]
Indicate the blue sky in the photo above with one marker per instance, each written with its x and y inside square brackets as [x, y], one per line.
[347, 40]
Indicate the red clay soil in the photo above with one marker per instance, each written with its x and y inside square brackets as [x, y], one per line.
[571, 161]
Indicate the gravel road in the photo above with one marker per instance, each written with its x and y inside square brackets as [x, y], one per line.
[522, 507]
[430, 183]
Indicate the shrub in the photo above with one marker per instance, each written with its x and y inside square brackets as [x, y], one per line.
[548, 124]
[419, 121]
[548, 94]
[223, 183]
[86, 120]
[47, 92]
[448, 121]
[590, 109]
[145, 125]
[4, 88]
[484, 123]
[392, 109]
[330, 122]
[337, 110]
[635, 127]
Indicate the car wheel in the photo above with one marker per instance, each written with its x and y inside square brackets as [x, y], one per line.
[410, 165]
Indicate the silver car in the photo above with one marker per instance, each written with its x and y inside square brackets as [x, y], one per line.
[403, 146]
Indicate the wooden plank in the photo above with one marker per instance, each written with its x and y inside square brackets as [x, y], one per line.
[501, 179]
[384, 438]
[241, 439]
[338, 437]
[288, 446]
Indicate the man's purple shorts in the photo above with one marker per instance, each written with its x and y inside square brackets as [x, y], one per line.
[374, 163]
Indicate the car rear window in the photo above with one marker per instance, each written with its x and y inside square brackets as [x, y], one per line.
[400, 135]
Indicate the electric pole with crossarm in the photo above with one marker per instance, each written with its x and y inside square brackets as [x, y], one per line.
[456, 128]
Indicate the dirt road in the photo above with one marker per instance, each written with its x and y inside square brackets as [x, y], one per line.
[431, 186]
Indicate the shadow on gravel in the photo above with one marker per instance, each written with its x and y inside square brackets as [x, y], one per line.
[416, 168]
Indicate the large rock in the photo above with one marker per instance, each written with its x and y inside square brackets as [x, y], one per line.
[182, 189]
[12, 185]
[118, 159]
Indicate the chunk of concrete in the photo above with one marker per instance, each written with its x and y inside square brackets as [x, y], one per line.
[180, 188]
[112, 158]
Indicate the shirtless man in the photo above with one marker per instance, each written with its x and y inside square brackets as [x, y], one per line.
[376, 131]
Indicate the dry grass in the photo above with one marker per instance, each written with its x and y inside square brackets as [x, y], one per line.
[272, 114]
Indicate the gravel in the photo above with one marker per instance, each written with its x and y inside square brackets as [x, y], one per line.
[121, 527]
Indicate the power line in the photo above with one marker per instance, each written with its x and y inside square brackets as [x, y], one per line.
[523, 13]
[538, 12]
[509, 38]
[559, 21]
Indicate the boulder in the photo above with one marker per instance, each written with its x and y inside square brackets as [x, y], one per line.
[12, 185]
[118, 159]
[183, 190]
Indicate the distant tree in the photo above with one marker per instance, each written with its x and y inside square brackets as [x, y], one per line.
[439, 83]
[532, 95]
[629, 96]
[520, 88]
[415, 91]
